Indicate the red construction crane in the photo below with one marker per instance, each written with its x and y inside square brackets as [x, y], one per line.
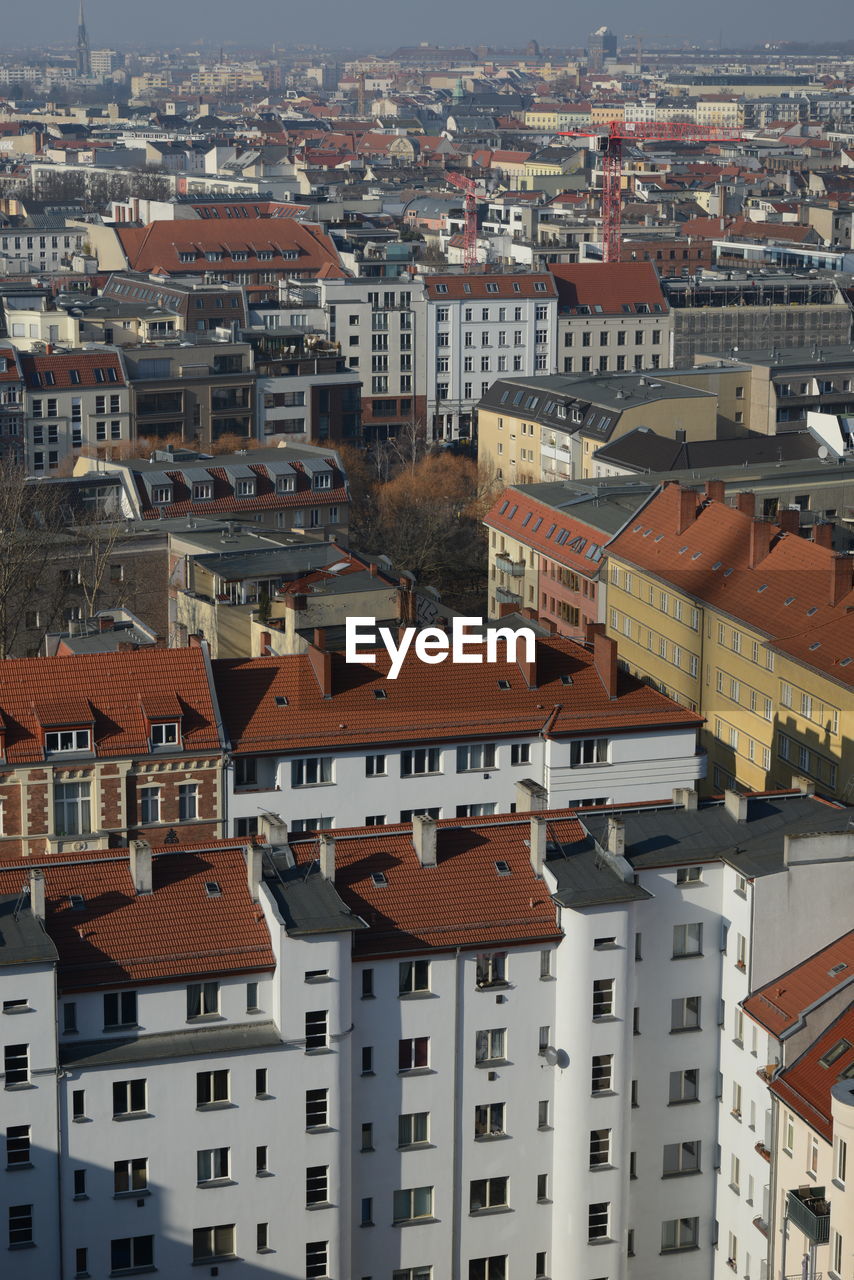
[611, 147]
[470, 226]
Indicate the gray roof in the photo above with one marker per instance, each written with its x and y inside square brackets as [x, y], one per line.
[644, 450]
[22, 937]
[585, 879]
[307, 902]
[268, 561]
[606, 507]
[224, 1038]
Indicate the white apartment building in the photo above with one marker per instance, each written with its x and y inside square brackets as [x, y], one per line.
[479, 327]
[74, 400]
[319, 751]
[28, 249]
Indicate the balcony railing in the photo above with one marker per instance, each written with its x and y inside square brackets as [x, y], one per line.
[503, 596]
[810, 1213]
[516, 568]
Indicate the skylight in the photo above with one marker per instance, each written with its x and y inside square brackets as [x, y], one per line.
[502, 867]
[212, 889]
[834, 1054]
[380, 879]
[280, 700]
[504, 684]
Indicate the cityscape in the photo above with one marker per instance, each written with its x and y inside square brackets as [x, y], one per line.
[427, 643]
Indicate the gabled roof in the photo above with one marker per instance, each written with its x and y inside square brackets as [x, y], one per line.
[558, 535]
[225, 498]
[508, 286]
[93, 369]
[805, 1086]
[781, 1004]
[159, 244]
[608, 288]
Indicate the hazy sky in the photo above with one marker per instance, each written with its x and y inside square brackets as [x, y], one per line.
[384, 23]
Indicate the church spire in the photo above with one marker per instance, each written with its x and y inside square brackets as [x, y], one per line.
[84, 59]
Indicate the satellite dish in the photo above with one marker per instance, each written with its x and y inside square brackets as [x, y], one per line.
[824, 452]
[562, 1059]
[551, 1055]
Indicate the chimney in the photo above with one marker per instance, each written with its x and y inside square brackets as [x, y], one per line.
[592, 629]
[373, 569]
[125, 646]
[616, 837]
[761, 533]
[715, 490]
[735, 805]
[806, 786]
[822, 534]
[195, 639]
[264, 643]
[605, 662]
[528, 667]
[531, 797]
[254, 860]
[273, 828]
[106, 624]
[789, 520]
[326, 844]
[37, 893]
[687, 509]
[321, 664]
[840, 578]
[685, 797]
[538, 841]
[318, 639]
[141, 866]
[424, 839]
[746, 503]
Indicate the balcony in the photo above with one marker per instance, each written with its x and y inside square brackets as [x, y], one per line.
[810, 1212]
[515, 568]
[503, 596]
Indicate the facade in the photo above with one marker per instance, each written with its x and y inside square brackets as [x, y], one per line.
[12, 404]
[73, 401]
[612, 318]
[191, 391]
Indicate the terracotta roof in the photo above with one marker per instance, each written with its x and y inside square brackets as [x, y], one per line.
[107, 690]
[779, 1006]
[84, 363]
[805, 1086]
[118, 937]
[12, 371]
[510, 285]
[159, 244]
[786, 597]
[465, 702]
[576, 551]
[608, 287]
[225, 500]
[461, 902]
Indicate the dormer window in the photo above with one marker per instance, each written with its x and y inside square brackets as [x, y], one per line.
[161, 493]
[186, 257]
[64, 740]
[245, 488]
[322, 480]
[202, 490]
[165, 734]
[286, 484]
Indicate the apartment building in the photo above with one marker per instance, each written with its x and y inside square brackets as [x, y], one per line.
[542, 1001]
[742, 620]
[73, 400]
[612, 317]
[787, 385]
[39, 245]
[479, 327]
[193, 389]
[12, 401]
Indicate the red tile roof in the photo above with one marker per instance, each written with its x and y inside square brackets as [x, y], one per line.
[12, 371]
[178, 931]
[464, 702]
[225, 500]
[461, 902]
[107, 690]
[779, 1006]
[578, 549]
[84, 363]
[159, 244]
[509, 286]
[805, 1086]
[611, 286]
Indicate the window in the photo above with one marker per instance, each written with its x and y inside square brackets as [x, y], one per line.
[681, 1157]
[261, 1083]
[413, 1054]
[840, 1159]
[66, 740]
[131, 1252]
[687, 940]
[149, 804]
[545, 965]
[414, 1202]
[316, 1030]
[413, 976]
[489, 1120]
[132, 1175]
[603, 998]
[487, 1193]
[17, 1145]
[598, 1221]
[210, 1243]
[164, 735]
[129, 1098]
[187, 801]
[212, 1088]
[494, 1268]
[679, 1233]
[413, 1128]
[490, 1046]
[311, 771]
[367, 1060]
[602, 1073]
[78, 1104]
[367, 1137]
[367, 984]
[689, 875]
[543, 1109]
[202, 999]
[478, 756]
[520, 753]
[413, 1273]
[492, 969]
[316, 1108]
[316, 1258]
[836, 1252]
[317, 1184]
[788, 1132]
[120, 1009]
[375, 766]
[685, 1014]
[588, 751]
[16, 1064]
[420, 760]
[71, 810]
[600, 1148]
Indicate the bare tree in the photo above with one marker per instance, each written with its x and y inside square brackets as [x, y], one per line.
[410, 444]
[97, 536]
[31, 523]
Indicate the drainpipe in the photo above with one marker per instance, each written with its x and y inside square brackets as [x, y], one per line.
[454, 1268]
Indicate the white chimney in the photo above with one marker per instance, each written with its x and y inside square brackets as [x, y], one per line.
[735, 805]
[616, 837]
[141, 866]
[538, 841]
[424, 839]
[37, 893]
[685, 797]
[326, 842]
[254, 863]
[530, 796]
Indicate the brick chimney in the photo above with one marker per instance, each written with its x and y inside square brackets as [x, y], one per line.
[106, 623]
[605, 662]
[789, 520]
[424, 839]
[320, 662]
[715, 490]
[840, 578]
[687, 509]
[822, 534]
[761, 533]
[746, 503]
[592, 629]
